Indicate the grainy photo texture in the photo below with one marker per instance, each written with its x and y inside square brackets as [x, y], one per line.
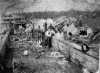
[49, 36]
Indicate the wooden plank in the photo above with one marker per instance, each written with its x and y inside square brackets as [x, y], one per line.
[3, 41]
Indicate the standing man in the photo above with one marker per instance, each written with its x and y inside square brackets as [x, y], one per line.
[49, 34]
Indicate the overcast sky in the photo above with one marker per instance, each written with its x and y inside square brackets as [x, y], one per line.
[9, 6]
[48, 5]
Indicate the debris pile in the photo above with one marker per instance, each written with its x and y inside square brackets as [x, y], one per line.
[32, 39]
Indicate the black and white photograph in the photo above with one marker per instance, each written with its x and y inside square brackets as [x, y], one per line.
[49, 36]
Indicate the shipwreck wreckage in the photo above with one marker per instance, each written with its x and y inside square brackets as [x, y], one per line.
[35, 40]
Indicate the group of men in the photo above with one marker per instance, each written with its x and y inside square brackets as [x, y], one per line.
[57, 29]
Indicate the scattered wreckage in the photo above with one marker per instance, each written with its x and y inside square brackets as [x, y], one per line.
[59, 37]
